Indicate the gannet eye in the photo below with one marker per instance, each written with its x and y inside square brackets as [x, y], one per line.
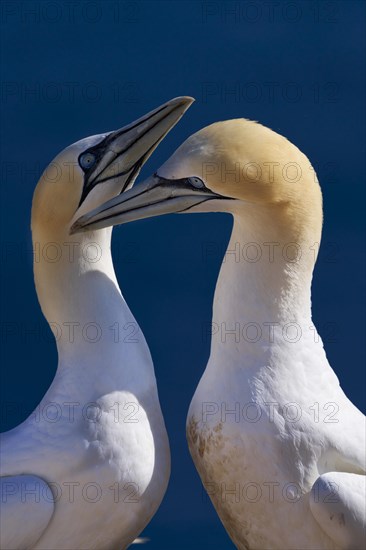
[87, 160]
[196, 182]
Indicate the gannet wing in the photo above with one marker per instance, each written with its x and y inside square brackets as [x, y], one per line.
[338, 503]
[26, 508]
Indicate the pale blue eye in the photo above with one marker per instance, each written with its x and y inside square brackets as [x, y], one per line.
[87, 160]
[196, 182]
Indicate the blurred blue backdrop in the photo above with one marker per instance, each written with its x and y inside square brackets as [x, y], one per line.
[72, 69]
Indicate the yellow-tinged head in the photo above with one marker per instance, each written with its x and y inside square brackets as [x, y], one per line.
[244, 160]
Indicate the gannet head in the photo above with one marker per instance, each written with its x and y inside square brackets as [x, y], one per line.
[93, 170]
[229, 166]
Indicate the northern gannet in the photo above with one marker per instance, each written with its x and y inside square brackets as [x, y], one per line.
[278, 445]
[90, 467]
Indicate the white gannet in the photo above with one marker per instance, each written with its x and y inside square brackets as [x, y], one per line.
[278, 445]
[90, 467]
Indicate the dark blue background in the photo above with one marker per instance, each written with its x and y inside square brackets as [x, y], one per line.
[297, 67]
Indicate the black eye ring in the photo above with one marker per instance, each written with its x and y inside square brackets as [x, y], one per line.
[87, 160]
[196, 182]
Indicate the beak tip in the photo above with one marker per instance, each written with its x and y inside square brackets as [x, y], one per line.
[189, 100]
[184, 100]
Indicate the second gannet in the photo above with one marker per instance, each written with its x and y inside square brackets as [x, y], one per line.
[278, 445]
[89, 468]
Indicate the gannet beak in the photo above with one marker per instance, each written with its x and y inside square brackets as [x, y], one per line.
[122, 153]
[153, 197]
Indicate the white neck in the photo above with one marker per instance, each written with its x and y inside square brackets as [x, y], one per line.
[95, 331]
[263, 297]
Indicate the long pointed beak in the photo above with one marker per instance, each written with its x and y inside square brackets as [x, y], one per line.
[123, 152]
[154, 197]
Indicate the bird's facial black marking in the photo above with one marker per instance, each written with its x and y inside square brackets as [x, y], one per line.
[192, 182]
[88, 160]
